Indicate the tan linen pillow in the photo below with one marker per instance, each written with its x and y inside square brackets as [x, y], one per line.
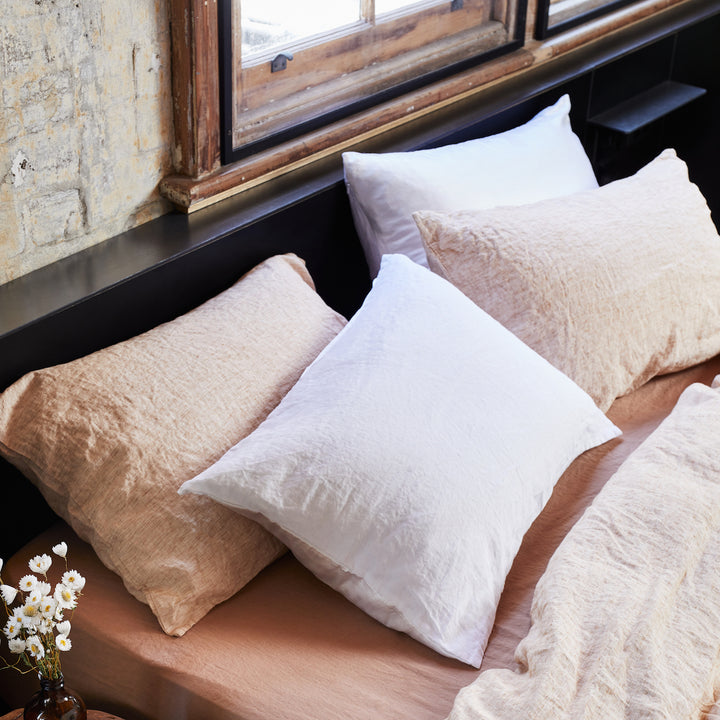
[109, 438]
[612, 286]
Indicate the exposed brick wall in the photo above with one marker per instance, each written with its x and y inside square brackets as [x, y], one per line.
[85, 124]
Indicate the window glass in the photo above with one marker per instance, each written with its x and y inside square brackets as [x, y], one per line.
[388, 6]
[294, 66]
[274, 23]
[555, 16]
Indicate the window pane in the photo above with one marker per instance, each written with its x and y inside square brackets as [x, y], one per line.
[343, 62]
[387, 6]
[267, 23]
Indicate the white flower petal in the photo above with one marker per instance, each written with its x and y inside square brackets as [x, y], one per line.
[60, 549]
[8, 594]
[63, 627]
[40, 564]
[48, 606]
[31, 617]
[74, 580]
[17, 646]
[65, 596]
[35, 647]
[12, 628]
[28, 583]
[63, 642]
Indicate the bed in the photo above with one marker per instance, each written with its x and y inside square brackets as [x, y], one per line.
[251, 631]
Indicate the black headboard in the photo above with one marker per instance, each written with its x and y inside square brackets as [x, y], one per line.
[153, 273]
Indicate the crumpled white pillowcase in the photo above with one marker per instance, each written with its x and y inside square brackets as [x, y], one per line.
[409, 460]
[541, 159]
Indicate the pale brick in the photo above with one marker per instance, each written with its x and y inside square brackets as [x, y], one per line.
[53, 217]
[95, 131]
[11, 231]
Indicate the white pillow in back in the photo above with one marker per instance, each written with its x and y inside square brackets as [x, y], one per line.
[541, 159]
[408, 461]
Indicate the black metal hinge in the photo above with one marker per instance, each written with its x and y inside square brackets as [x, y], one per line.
[279, 62]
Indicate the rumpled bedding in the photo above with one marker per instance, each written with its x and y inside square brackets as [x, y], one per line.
[626, 618]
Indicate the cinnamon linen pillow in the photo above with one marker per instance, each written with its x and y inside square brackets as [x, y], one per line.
[612, 286]
[109, 438]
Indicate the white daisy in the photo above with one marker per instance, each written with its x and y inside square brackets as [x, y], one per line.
[44, 588]
[63, 642]
[65, 596]
[12, 628]
[63, 627]
[30, 616]
[74, 580]
[48, 605]
[35, 647]
[8, 594]
[17, 646]
[44, 627]
[17, 615]
[60, 549]
[28, 583]
[40, 564]
[34, 596]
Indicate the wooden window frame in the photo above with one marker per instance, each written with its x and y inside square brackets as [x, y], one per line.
[195, 86]
[360, 67]
[200, 133]
[583, 12]
[200, 178]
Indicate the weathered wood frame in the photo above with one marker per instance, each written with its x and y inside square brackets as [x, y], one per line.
[201, 180]
[196, 86]
[356, 68]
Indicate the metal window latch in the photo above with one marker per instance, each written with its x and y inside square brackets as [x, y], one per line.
[456, 5]
[279, 62]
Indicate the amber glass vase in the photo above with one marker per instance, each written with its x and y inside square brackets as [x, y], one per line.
[54, 701]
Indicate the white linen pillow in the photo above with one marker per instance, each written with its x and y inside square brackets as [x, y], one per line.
[408, 461]
[541, 159]
[612, 286]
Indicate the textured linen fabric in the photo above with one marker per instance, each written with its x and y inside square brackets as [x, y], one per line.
[408, 461]
[626, 619]
[109, 438]
[541, 159]
[612, 286]
[288, 646]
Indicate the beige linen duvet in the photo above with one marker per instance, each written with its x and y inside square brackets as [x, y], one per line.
[626, 619]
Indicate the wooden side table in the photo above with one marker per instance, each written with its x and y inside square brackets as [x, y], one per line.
[91, 714]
